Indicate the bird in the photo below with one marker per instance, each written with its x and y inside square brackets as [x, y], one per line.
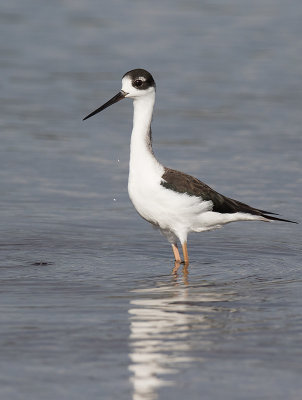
[172, 201]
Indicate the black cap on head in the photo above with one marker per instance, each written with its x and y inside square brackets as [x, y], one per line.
[141, 79]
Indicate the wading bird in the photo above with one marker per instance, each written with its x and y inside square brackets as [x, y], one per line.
[172, 201]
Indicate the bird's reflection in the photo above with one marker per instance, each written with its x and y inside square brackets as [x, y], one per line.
[185, 272]
[166, 326]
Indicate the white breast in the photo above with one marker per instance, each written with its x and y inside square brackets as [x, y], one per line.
[169, 210]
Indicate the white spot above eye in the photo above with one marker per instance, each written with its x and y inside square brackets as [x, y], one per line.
[132, 91]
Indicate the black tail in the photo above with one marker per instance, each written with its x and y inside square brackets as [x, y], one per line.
[231, 205]
[277, 219]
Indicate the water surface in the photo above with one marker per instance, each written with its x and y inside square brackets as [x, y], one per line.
[90, 305]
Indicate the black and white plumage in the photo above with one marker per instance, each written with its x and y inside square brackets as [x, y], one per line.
[174, 202]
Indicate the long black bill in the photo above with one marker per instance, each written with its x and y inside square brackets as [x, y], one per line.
[120, 96]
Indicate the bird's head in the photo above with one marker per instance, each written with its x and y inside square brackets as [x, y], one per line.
[136, 83]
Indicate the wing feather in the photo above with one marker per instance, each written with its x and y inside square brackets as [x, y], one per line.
[184, 183]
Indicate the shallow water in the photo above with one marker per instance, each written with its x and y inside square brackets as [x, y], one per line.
[90, 305]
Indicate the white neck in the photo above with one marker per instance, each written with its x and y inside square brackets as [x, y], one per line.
[142, 159]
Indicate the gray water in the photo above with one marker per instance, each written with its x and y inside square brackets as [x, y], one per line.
[90, 306]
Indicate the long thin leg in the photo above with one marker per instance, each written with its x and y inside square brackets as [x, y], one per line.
[175, 269]
[185, 253]
[176, 252]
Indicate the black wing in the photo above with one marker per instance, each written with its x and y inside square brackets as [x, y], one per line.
[183, 183]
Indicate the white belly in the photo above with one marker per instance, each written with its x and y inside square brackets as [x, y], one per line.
[176, 213]
[169, 210]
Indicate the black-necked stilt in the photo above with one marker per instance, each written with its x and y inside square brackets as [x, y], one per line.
[174, 202]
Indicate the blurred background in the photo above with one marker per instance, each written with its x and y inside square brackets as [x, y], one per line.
[228, 111]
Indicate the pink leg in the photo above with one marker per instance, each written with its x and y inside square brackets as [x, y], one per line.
[185, 253]
[176, 253]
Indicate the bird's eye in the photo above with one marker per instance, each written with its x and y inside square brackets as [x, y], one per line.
[138, 83]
